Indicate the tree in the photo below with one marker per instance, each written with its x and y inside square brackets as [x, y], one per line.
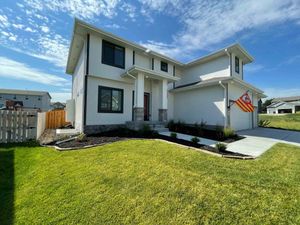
[263, 108]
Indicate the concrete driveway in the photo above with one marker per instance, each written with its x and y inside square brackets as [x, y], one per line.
[259, 140]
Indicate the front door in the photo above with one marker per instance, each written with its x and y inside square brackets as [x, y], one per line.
[146, 106]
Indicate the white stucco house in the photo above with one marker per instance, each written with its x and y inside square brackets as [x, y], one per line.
[28, 99]
[284, 105]
[115, 81]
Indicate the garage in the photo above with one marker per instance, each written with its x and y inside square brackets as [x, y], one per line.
[240, 120]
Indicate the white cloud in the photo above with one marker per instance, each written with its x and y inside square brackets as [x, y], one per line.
[281, 92]
[85, 9]
[4, 21]
[45, 29]
[13, 37]
[60, 96]
[29, 29]
[130, 10]
[16, 70]
[206, 23]
[18, 26]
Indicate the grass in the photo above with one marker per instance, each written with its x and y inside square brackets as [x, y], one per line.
[287, 121]
[147, 182]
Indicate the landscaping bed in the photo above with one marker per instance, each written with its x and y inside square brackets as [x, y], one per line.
[89, 141]
[125, 134]
[216, 133]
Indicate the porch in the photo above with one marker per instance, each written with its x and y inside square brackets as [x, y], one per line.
[150, 95]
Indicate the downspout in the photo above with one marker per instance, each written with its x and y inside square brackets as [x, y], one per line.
[225, 104]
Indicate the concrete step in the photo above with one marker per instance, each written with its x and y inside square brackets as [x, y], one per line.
[162, 129]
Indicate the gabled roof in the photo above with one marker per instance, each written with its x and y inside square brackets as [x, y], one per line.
[81, 29]
[287, 99]
[217, 80]
[236, 48]
[24, 92]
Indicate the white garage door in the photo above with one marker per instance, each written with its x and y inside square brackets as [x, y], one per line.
[240, 120]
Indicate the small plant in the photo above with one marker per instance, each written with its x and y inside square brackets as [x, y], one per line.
[171, 125]
[203, 123]
[81, 137]
[229, 132]
[146, 130]
[195, 140]
[264, 123]
[173, 135]
[221, 147]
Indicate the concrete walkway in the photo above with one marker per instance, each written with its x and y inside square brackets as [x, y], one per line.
[186, 137]
[256, 141]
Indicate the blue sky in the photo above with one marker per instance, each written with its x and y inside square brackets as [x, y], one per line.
[35, 36]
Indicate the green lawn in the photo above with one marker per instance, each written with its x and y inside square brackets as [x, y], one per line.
[288, 121]
[147, 182]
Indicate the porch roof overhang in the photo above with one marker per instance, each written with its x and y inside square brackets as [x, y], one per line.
[215, 81]
[133, 71]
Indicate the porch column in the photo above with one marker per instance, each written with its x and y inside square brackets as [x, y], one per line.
[163, 111]
[138, 110]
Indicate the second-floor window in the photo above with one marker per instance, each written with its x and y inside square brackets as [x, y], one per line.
[237, 65]
[164, 66]
[113, 55]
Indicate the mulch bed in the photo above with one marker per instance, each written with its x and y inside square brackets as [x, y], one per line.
[200, 146]
[89, 141]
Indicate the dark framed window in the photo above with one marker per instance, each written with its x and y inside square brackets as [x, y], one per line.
[133, 57]
[237, 65]
[110, 100]
[113, 55]
[152, 63]
[164, 66]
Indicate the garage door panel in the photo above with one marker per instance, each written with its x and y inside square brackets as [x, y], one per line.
[240, 120]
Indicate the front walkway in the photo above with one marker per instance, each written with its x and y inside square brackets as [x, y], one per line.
[256, 141]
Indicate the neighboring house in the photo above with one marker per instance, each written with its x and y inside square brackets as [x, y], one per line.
[115, 81]
[57, 105]
[284, 105]
[24, 100]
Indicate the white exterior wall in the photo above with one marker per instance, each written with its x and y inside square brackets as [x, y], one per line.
[29, 101]
[95, 118]
[284, 106]
[202, 104]
[240, 120]
[212, 69]
[96, 67]
[78, 89]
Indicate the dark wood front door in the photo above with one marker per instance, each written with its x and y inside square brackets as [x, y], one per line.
[146, 106]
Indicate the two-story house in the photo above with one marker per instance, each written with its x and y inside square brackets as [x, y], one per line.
[116, 81]
[28, 100]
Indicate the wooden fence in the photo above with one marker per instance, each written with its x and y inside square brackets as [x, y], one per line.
[55, 119]
[17, 126]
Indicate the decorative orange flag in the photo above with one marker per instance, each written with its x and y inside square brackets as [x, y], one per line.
[244, 102]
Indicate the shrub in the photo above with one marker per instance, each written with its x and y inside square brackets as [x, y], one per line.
[171, 124]
[173, 135]
[264, 123]
[221, 146]
[195, 140]
[81, 137]
[146, 130]
[229, 132]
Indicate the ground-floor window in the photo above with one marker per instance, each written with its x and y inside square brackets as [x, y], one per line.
[110, 100]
